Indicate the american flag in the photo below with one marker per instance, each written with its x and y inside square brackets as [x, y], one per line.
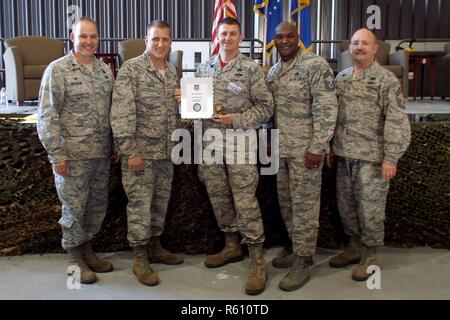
[223, 8]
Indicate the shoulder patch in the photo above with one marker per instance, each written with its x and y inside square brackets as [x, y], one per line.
[329, 80]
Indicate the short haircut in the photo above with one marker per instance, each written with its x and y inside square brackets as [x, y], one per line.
[84, 19]
[230, 21]
[158, 24]
[370, 31]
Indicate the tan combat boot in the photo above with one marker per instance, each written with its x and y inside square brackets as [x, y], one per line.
[94, 263]
[285, 258]
[142, 269]
[158, 254]
[297, 276]
[360, 272]
[83, 274]
[257, 279]
[352, 254]
[232, 252]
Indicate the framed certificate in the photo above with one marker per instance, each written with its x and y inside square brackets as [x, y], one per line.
[197, 95]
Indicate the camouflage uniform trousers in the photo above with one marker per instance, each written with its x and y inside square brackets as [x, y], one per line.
[361, 195]
[299, 199]
[232, 193]
[83, 193]
[148, 193]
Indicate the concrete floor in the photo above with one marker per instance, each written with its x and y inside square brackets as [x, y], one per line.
[418, 273]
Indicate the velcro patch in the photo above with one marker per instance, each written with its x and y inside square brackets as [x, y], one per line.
[329, 80]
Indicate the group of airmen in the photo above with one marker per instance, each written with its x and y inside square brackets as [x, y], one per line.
[356, 121]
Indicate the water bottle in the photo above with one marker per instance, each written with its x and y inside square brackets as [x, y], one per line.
[3, 98]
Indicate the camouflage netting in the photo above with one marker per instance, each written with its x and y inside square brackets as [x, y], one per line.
[418, 207]
[418, 210]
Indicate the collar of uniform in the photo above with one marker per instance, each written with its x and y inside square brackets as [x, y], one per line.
[99, 64]
[294, 61]
[151, 67]
[215, 62]
[149, 63]
[75, 64]
[372, 70]
[73, 61]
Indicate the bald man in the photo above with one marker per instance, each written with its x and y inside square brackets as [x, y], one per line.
[303, 88]
[372, 133]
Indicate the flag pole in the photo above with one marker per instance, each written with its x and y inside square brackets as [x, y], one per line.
[265, 39]
[298, 18]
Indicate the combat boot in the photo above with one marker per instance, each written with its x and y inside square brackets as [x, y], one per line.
[352, 254]
[297, 276]
[94, 263]
[158, 254]
[360, 272]
[142, 269]
[83, 274]
[232, 252]
[257, 279]
[285, 258]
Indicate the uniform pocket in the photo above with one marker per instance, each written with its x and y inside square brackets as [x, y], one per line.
[298, 91]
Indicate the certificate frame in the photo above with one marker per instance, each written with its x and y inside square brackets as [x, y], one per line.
[197, 98]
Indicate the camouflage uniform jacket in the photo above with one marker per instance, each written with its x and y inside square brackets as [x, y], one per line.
[240, 88]
[144, 110]
[74, 107]
[372, 124]
[305, 104]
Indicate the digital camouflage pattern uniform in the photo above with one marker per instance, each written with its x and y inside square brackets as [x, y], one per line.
[372, 127]
[73, 125]
[305, 113]
[240, 88]
[143, 117]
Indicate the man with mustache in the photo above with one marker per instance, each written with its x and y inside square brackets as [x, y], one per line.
[372, 133]
[306, 109]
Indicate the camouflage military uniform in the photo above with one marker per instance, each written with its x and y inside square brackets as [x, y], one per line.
[306, 111]
[143, 117]
[73, 125]
[241, 89]
[372, 127]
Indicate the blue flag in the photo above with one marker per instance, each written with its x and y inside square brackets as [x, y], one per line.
[302, 21]
[273, 12]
